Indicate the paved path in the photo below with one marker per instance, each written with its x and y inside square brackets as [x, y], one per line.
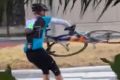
[76, 73]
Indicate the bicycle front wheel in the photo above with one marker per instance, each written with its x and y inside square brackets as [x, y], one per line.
[69, 48]
[105, 36]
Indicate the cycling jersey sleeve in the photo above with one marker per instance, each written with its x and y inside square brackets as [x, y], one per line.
[60, 22]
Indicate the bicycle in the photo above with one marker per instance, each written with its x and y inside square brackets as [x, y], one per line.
[69, 47]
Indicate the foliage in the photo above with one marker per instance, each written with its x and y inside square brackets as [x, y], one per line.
[84, 4]
[95, 3]
[6, 5]
[115, 65]
[7, 74]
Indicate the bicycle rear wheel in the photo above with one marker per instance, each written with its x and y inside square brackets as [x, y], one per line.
[69, 48]
[105, 36]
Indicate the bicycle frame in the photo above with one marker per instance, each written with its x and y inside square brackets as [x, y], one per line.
[63, 38]
[81, 38]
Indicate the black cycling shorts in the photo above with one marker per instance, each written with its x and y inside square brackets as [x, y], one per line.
[43, 61]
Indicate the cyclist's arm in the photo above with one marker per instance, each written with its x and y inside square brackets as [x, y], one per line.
[60, 22]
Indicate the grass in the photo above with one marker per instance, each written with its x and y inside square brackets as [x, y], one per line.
[89, 57]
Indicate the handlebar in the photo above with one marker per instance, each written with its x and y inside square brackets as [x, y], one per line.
[70, 29]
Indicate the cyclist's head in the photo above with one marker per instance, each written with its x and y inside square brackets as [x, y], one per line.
[39, 8]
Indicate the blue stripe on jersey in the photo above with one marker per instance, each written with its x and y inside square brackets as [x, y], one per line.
[38, 42]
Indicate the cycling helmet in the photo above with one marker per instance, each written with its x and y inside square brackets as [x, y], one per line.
[39, 7]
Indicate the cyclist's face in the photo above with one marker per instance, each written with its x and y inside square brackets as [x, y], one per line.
[40, 13]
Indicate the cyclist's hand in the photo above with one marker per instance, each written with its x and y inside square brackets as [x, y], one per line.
[66, 28]
[70, 27]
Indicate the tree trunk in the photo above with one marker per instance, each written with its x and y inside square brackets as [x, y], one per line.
[18, 12]
[4, 20]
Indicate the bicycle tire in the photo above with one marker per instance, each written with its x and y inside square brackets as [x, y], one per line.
[105, 36]
[58, 48]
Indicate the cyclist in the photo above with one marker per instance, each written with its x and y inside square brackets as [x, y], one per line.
[35, 30]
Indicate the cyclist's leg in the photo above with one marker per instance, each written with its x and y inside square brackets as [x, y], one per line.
[34, 58]
[54, 68]
[45, 77]
[45, 74]
[45, 62]
[51, 65]
[45, 71]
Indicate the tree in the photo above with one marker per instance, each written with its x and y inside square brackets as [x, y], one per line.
[11, 13]
[115, 65]
[95, 3]
[84, 5]
[10, 10]
[7, 74]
